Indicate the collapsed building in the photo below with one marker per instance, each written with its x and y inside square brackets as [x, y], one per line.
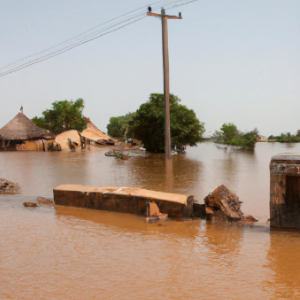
[22, 134]
[96, 136]
[70, 140]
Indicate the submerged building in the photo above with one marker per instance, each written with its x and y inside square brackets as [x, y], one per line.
[96, 136]
[285, 191]
[22, 134]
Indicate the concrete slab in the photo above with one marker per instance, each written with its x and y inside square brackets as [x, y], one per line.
[122, 199]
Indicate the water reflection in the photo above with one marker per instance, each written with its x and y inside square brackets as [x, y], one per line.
[224, 238]
[284, 260]
[127, 223]
[179, 175]
[169, 175]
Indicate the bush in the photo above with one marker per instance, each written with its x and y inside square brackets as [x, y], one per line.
[288, 138]
[230, 135]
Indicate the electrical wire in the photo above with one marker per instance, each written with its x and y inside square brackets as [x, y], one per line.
[64, 50]
[87, 38]
[74, 45]
[91, 34]
[45, 50]
[76, 36]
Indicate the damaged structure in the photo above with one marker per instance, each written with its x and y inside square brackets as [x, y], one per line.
[96, 136]
[22, 134]
[70, 140]
[154, 205]
[285, 191]
[223, 203]
[8, 187]
[126, 200]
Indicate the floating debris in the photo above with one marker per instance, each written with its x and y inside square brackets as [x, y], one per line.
[8, 187]
[30, 204]
[45, 200]
[225, 200]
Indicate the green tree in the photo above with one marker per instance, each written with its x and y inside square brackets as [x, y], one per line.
[119, 126]
[148, 124]
[227, 132]
[64, 115]
[230, 135]
[40, 122]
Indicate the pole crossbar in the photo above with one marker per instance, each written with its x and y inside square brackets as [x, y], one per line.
[160, 16]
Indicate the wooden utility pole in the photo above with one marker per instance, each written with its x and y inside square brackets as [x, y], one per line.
[164, 23]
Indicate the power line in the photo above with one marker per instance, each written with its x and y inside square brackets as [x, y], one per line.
[70, 39]
[85, 39]
[75, 36]
[71, 47]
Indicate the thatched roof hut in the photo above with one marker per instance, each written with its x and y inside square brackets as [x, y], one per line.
[20, 128]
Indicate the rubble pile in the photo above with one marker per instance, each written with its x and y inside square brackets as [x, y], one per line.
[8, 187]
[222, 201]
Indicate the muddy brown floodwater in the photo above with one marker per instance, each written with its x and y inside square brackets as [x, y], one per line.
[70, 253]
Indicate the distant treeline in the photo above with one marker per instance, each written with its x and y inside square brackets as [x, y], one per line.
[286, 137]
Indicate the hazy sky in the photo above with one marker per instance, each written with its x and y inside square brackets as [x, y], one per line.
[231, 61]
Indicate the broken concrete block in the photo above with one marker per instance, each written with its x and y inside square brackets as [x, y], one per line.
[225, 200]
[154, 214]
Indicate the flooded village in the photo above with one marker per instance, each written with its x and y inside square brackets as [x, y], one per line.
[22, 134]
[149, 151]
[104, 205]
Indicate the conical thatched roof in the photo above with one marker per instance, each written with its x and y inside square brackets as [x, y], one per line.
[21, 128]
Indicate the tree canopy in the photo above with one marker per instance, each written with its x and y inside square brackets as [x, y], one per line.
[64, 115]
[148, 124]
[230, 135]
[119, 126]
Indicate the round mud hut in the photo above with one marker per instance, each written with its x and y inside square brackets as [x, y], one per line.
[22, 134]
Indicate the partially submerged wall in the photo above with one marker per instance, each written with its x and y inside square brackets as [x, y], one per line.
[32, 145]
[126, 200]
[285, 191]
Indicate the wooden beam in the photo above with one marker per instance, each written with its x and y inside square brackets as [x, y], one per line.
[154, 15]
[172, 17]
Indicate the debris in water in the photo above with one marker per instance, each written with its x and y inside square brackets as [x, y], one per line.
[224, 202]
[8, 187]
[30, 204]
[251, 218]
[45, 200]
[154, 214]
